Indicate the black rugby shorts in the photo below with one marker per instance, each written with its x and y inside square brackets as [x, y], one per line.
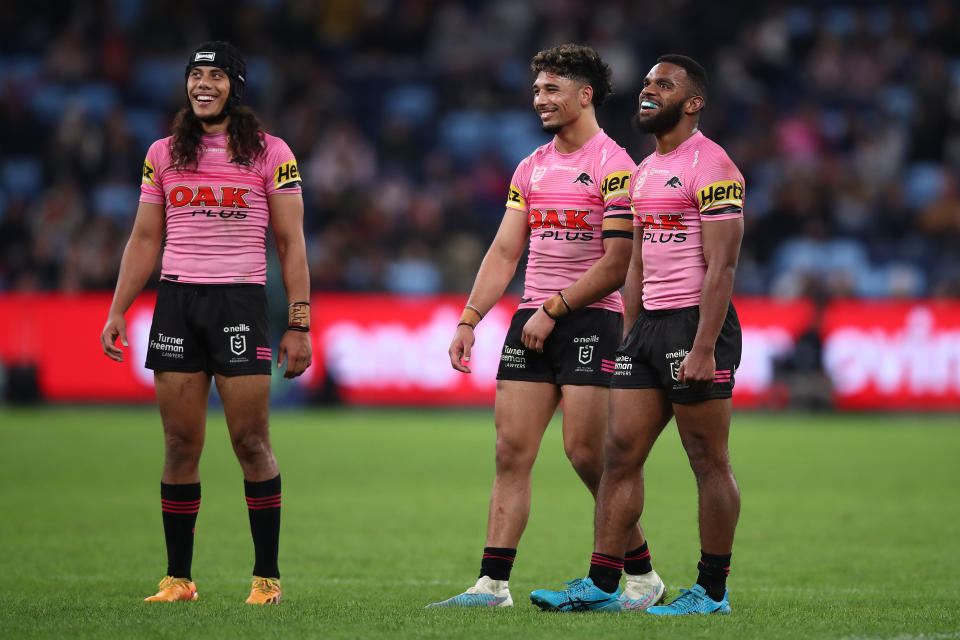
[580, 349]
[217, 328]
[650, 356]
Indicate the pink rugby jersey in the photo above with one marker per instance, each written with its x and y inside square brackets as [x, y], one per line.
[216, 215]
[672, 194]
[566, 197]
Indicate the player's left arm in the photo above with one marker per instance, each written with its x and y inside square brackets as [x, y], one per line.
[605, 276]
[721, 250]
[286, 220]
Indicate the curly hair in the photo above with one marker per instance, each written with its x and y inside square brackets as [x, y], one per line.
[577, 62]
[244, 137]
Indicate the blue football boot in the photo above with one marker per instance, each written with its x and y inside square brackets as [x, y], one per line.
[486, 593]
[580, 595]
[692, 601]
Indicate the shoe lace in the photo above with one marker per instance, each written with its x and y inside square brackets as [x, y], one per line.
[686, 601]
[264, 585]
[169, 581]
[578, 585]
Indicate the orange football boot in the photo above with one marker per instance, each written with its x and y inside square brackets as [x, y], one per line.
[264, 591]
[173, 590]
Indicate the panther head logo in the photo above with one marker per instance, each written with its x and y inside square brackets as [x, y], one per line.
[673, 182]
[584, 178]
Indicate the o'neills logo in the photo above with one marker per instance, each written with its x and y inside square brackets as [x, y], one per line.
[237, 329]
[680, 353]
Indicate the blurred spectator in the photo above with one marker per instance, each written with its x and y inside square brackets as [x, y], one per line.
[407, 118]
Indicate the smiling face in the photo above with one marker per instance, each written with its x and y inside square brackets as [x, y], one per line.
[558, 100]
[666, 97]
[208, 89]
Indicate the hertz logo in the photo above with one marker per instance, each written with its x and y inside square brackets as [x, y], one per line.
[149, 174]
[515, 199]
[286, 175]
[615, 184]
[726, 193]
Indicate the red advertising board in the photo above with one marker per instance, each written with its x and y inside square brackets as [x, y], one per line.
[60, 335]
[389, 350]
[893, 355]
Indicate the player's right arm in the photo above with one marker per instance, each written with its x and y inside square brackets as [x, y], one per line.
[139, 257]
[633, 285]
[495, 273]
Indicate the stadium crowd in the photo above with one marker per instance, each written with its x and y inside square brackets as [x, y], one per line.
[408, 117]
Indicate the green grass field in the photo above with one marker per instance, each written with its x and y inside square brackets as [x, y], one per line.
[849, 529]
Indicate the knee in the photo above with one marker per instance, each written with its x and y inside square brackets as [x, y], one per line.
[706, 461]
[584, 457]
[623, 453]
[514, 455]
[251, 445]
[182, 447]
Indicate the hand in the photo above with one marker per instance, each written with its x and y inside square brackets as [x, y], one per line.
[116, 327]
[536, 330]
[460, 348]
[296, 350]
[697, 368]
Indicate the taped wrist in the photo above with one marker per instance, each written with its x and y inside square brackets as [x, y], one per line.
[471, 316]
[555, 306]
[298, 314]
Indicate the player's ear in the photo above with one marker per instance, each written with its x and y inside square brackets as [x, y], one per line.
[693, 105]
[586, 95]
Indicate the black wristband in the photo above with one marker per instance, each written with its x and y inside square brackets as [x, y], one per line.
[552, 317]
[300, 329]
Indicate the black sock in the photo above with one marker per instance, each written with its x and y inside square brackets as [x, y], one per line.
[497, 562]
[263, 505]
[605, 571]
[179, 504]
[713, 574]
[637, 561]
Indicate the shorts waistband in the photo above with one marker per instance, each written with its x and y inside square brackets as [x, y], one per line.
[653, 313]
[213, 285]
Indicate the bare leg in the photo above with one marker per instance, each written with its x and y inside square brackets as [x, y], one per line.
[704, 430]
[637, 417]
[246, 404]
[522, 412]
[585, 413]
[182, 400]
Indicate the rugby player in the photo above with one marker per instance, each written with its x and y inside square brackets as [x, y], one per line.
[568, 201]
[682, 351]
[207, 195]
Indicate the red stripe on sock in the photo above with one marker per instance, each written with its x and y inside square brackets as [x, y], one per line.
[606, 562]
[264, 499]
[490, 555]
[645, 554]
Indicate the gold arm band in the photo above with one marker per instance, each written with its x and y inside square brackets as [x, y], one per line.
[298, 314]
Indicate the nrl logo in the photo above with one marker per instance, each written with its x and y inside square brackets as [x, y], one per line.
[537, 174]
[675, 369]
[238, 344]
[586, 354]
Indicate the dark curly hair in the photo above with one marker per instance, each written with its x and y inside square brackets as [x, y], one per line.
[577, 62]
[244, 137]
